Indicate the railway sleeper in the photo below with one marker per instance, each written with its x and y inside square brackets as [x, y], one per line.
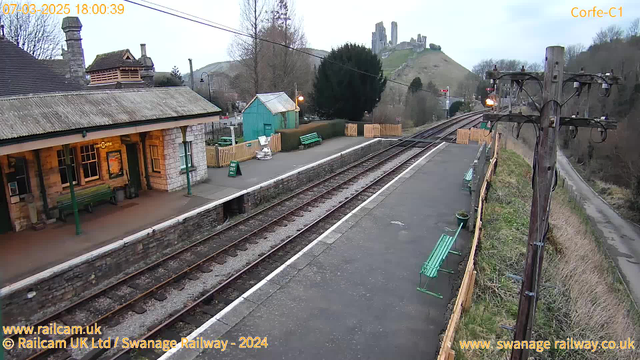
[138, 308]
[192, 320]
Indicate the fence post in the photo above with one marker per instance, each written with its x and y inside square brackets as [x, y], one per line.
[216, 154]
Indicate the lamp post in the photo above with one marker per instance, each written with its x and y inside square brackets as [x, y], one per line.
[299, 98]
[208, 82]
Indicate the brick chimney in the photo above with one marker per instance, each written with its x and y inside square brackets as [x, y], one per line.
[74, 54]
[148, 70]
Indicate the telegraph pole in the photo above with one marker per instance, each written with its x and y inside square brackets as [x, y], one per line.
[543, 180]
[191, 75]
[544, 169]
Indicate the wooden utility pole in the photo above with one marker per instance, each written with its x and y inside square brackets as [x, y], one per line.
[544, 169]
[543, 180]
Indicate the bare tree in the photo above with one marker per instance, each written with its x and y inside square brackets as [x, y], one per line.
[467, 86]
[38, 34]
[482, 67]
[634, 28]
[571, 52]
[610, 34]
[246, 50]
[287, 67]
[534, 67]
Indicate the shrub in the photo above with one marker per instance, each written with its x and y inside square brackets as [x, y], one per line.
[326, 130]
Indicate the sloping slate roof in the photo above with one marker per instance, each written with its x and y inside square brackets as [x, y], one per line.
[59, 66]
[22, 116]
[21, 73]
[112, 60]
[277, 102]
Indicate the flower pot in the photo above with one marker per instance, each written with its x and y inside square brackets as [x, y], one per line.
[462, 220]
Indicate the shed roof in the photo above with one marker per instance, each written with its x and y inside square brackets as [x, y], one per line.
[32, 115]
[114, 59]
[21, 73]
[276, 102]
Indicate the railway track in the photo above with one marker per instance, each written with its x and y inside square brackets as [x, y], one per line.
[156, 279]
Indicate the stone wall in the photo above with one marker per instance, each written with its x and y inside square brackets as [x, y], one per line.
[176, 178]
[97, 271]
[299, 180]
[81, 276]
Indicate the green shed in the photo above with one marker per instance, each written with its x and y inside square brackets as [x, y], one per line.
[267, 113]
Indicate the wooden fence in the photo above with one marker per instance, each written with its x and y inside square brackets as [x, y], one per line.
[480, 135]
[350, 130]
[463, 136]
[222, 156]
[378, 130]
[465, 294]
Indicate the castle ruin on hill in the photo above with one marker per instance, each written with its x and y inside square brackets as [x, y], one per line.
[380, 44]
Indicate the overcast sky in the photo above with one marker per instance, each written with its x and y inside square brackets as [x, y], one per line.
[468, 31]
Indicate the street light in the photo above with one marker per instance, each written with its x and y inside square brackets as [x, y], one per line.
[299, 98]
[208, 82]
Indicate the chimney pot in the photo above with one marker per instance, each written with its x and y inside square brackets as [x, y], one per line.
[143, 50]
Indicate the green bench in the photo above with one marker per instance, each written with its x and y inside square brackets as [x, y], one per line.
[466, 180]
[310, 139]
[225, 141]
[431, 267]
[85, 198]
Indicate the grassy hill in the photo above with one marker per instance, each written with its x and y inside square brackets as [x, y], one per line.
[231, 67]
[434, 65]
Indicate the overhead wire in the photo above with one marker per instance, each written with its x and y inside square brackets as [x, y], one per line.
[198, 20]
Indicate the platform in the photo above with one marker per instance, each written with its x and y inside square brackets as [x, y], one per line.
[29, 252]
[352, 293]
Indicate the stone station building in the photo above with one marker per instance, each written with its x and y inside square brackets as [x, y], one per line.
[115, 137]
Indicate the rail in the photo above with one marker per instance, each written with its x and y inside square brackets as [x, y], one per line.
[299, 235]
[402, 144]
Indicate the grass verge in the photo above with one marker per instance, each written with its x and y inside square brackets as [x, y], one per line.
[583, 298]
[618, 197]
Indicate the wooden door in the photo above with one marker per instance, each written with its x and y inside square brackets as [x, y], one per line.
[134, 166]
[5, 219]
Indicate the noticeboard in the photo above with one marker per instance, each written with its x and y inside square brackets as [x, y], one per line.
[234, 169]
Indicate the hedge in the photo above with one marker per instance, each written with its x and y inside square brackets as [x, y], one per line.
[326, 130]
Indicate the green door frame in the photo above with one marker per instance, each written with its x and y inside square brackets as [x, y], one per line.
[133, 162]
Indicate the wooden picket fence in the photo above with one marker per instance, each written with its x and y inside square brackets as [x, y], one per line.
[350, 130]
[480, 135]
[378, 130]
[465, 294]
[222, 156]
[463, 136]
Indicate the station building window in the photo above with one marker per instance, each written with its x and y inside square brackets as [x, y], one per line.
[182, 155]
[155, 157]
[63, 169]
[89, 158]
[18, 179]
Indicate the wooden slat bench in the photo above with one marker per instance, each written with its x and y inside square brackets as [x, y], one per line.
[85, 198]
[431, 267]
[466, 180]
[310, 139]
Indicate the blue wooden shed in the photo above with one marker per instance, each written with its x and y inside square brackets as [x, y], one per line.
[267, 113]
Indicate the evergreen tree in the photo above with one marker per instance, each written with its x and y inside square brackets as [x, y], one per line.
[344, 92]
[416, 85]
[175, 73]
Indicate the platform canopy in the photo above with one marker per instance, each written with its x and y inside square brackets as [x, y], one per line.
[97, 113]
